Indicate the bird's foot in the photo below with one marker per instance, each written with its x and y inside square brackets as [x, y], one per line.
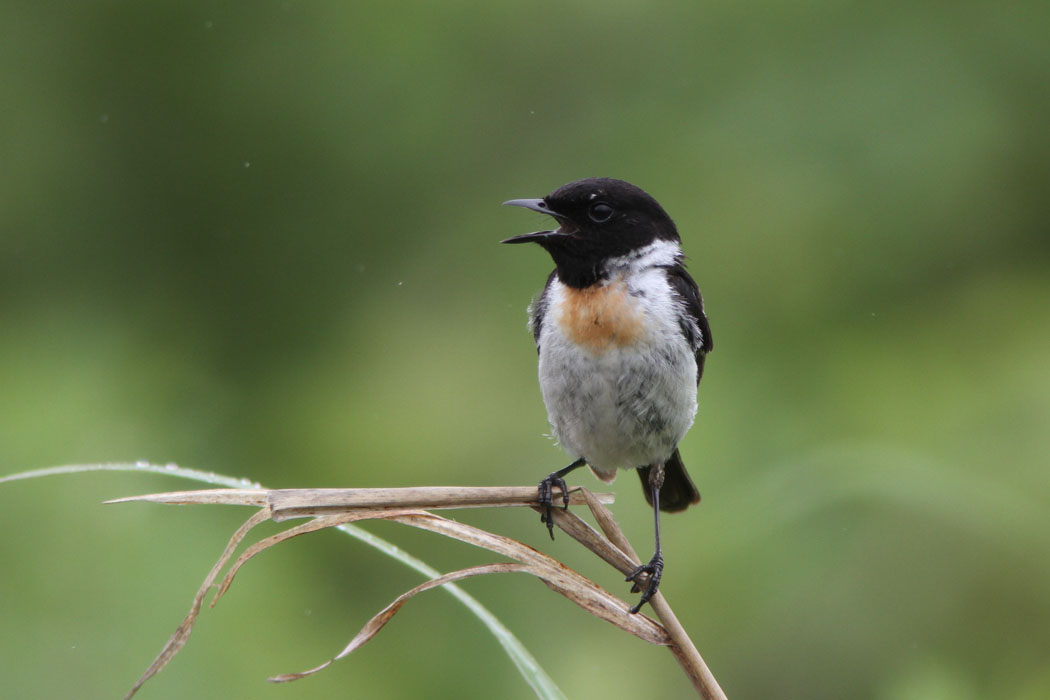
[546, 498]
[655, 569]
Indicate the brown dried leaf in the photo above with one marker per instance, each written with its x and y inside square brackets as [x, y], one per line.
[298, 503]
[314, 525]
[612, 530]
[610, 527]
[553, 573]
[556, 575]
[182, 633]
[593, 540]
[372, 627]
[234, 497]
[306, 503]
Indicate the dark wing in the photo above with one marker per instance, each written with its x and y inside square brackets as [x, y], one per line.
[694, 326]
[538, 309]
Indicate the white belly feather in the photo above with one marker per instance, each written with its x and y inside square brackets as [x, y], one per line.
[620, 400]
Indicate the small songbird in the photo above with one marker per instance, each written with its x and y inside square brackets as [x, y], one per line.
[622, 336]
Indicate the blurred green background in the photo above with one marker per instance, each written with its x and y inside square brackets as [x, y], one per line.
[261, 238]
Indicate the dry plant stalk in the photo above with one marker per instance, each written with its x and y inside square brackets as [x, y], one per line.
[332, 507]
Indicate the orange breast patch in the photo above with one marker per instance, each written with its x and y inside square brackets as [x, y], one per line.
[601, 317]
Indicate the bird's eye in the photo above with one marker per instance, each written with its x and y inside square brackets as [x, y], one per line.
[600, 212]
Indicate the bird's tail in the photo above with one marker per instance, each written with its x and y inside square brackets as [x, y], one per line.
[678, 491]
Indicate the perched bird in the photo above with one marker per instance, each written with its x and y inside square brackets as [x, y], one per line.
[622, 336]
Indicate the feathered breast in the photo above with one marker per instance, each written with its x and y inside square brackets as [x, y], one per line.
[601, 317]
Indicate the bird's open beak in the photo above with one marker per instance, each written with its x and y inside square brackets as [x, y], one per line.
[533, 204]
[536, 236]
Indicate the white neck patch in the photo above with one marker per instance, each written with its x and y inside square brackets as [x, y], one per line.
[659, 253]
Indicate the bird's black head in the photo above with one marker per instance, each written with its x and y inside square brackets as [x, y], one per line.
[600, 218]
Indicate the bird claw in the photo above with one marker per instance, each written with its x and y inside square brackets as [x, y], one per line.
[546, 499]
[655, 569]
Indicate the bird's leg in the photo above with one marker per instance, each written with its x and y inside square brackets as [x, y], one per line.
[547, 492]
[655, 567]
